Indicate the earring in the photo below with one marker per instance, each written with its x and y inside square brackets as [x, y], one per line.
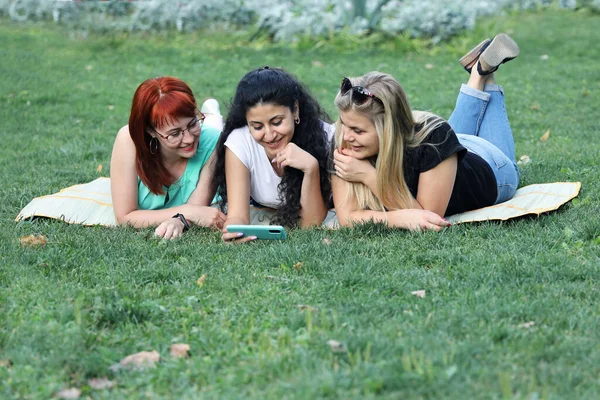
[153, 145]
[297, 120]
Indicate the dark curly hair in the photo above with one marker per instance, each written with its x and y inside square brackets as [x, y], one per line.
[276, 86]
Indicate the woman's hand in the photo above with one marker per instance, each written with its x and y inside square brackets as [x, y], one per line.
[170, 229]
[235, 237]
[417, 220]
[293, 156]
[352, 169]
[204, 216]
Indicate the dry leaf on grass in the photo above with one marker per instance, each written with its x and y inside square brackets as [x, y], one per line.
[524, 160]
[201, 280]
[5, 364]
[143, 359]
[418, 293]
[317, 63]
[428, 66]
[89, 67]
[99, 168]
[101, 383]
[111, 107]
[527, 325]
[298, 265]
[33, 240]
[180, 350]
[336, 347]
[545, 136]
[71, 393]
[535, 106]
[306, 307]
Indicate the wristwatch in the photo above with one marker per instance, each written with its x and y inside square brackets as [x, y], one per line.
[186, 226]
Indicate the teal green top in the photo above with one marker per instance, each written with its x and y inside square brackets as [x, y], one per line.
[179, 192]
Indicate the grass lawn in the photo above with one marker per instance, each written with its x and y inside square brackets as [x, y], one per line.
[71, 309]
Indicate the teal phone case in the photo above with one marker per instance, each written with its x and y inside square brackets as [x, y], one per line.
[267, 232]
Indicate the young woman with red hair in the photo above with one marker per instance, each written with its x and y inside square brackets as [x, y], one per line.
[162, 162]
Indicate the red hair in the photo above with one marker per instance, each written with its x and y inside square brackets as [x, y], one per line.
[157, 102]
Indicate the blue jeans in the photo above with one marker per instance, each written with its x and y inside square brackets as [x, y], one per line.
[481, 125]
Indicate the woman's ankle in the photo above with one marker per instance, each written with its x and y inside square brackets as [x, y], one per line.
[477, 81]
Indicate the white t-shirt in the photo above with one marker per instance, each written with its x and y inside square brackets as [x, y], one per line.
[263, 179]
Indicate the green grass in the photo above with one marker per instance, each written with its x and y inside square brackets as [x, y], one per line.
[74, 307]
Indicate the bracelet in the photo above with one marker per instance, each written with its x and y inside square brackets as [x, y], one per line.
[186, 226]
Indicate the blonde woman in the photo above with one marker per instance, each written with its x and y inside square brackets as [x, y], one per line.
[409, 169]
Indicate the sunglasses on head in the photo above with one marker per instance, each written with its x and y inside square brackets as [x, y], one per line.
[360, 95]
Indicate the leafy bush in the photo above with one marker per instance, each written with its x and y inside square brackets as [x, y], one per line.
[279, 19]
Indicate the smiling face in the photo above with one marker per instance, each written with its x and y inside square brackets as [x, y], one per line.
[272, 126]
[359, 135]
[186, 132]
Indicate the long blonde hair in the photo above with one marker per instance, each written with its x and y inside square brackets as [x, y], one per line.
[396, 125]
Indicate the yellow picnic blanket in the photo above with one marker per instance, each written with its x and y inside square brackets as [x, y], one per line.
[91, 204]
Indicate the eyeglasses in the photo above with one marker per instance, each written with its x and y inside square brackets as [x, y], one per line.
[194, 128]
[360, 95]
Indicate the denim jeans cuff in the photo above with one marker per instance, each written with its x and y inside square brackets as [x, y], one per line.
[493, 88]
[469, 91]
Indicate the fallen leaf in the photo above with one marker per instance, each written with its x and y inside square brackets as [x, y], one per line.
[544, 57]
[326, 241]
[33, 240]
[298, 265]
[99, 168]
[5, 364]
[180, 350]
[317, 63]
[71, 393]
[201, 280]
[89, 67]
[428, 66]
[527, 325]
[535, 106]
[11, 95]
[306, 307]
[111, 107]
[524, 160]
[336, 347]
[585, 93]
[418, 293]
[143, 359]
[545, 136]
[100, 383]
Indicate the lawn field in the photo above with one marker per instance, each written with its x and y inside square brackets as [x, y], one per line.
[512, 310]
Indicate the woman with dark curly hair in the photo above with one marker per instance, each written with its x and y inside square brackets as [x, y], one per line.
[273, 151]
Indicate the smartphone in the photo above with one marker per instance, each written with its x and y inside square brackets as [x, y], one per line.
[268, 232]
